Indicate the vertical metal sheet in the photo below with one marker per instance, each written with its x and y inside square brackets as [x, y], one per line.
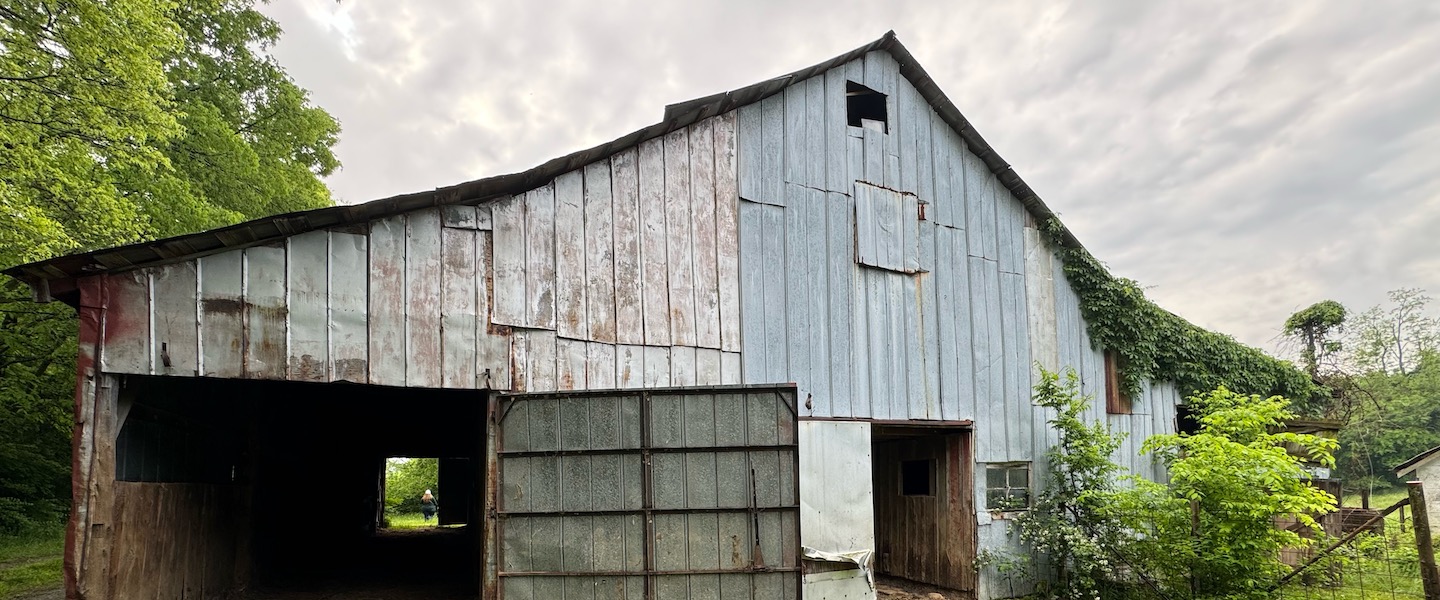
[704, 232]
[128, 330]
[771, 189]
[679, 238]
[570, 257]
[629, 293]
[176, 346]
[458, 301]
[423, 346]
[839, 286]
[266, 339]
[539, 266]
[387, 301]
[600, 255]
[836, 501]
[222, 314]
[796, 149]
[509, 250]
[349, 314]
[796, 287]
[752, 292]
[653, 246]
[727, 231]
[308, 305]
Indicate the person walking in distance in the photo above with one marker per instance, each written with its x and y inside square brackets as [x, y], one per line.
[428, 507]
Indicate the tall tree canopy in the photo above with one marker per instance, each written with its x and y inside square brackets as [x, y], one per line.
[120, 121]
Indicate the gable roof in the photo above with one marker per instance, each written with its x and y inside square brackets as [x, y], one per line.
[1414, 463]
[55, 278]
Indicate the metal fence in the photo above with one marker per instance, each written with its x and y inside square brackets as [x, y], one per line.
[1380, 559]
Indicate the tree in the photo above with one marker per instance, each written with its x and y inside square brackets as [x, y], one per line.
[1398, 417]
[1312, 327]
[406, 479]
[1213, 525]
[120, 121]
[1392, 340]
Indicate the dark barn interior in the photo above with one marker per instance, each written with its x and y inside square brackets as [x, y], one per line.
[276, 489]
[924, 505]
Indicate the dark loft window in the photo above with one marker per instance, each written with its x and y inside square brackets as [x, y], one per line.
[916, 478]
[1007, 486]
[866, 107]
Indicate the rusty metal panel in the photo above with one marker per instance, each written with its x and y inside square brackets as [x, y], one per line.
[267, 338]
[647, 494]
[176, 347]
[221, 314]
[127, 332]
[308, 303]
[458, 315]
[349, 315]
[387, 301]
[423, 355]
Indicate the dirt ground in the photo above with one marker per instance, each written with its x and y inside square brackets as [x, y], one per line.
[396, 564]
[894, 588]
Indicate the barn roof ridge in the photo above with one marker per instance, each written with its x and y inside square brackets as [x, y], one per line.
[54, 278]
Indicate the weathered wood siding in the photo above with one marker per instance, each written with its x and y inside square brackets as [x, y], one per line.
[179, 540]
[622, 274]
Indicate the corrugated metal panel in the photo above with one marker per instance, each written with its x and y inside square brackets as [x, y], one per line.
[836, 500]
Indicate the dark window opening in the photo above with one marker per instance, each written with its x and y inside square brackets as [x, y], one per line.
[1186, 421]
[1007, 486]
[916, 478]
[1117, 402]
[866, 108]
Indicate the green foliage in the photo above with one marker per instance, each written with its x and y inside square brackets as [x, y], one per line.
[1392, 340]
[406, 479]
[1214, 524]
[1068, 522]
[1312, 327]
[125, 120]
[1156, 345]
[1397, 417]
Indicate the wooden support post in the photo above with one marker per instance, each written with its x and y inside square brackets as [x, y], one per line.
[1429, 576]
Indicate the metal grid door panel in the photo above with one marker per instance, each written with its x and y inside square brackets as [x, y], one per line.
[656, 494]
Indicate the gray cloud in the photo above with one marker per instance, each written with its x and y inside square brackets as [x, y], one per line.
[1243, 160]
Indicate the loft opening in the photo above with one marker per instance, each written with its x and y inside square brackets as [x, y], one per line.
[865, 108]
[278, 487]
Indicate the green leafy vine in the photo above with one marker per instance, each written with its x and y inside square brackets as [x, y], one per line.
[1154, 344]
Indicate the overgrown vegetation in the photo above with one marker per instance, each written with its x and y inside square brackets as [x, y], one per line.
[1210, 532]
[406, 479]
[126, 120]
[1156, 345]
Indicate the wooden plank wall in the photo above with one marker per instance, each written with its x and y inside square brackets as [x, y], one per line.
[178, 540]
[926, 538]
[621, 274]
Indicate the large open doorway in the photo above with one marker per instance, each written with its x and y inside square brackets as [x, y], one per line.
[924, 505]
[276, 488]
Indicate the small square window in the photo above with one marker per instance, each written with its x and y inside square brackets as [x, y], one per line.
[917, 478]
[1007, 486]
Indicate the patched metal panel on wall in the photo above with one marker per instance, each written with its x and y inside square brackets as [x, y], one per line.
[656, 494]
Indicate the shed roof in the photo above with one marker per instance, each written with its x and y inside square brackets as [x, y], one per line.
[55, 278]
[1415, 462]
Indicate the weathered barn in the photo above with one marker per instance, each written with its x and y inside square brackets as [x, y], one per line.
[789, 322]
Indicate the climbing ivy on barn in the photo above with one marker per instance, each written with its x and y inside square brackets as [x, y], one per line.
[1154, 344]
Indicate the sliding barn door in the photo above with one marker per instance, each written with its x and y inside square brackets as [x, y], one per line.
[656, 494]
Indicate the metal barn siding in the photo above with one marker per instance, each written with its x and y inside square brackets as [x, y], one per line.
[901, 279]
[622, 274]
[664, 494]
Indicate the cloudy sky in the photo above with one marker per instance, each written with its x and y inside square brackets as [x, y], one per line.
[1242, 160]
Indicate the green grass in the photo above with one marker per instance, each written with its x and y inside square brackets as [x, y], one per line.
[410, 521]
[1378, 567]
[31, 562]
